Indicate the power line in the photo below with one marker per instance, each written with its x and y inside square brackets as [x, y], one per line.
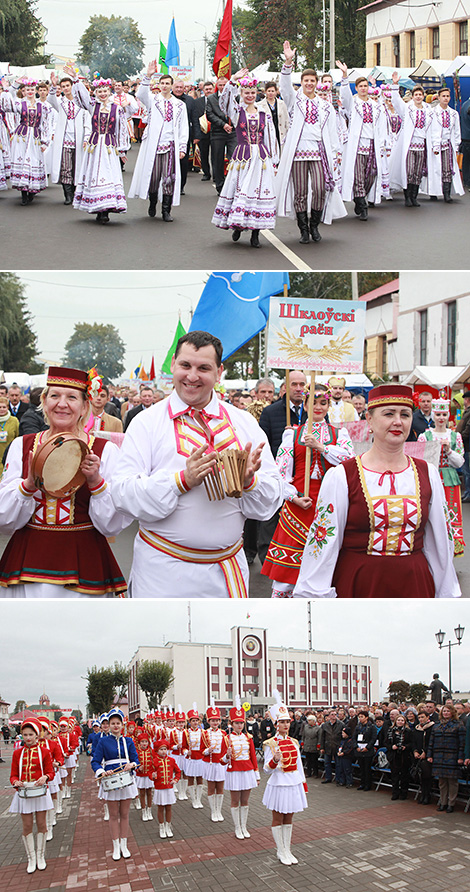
[108, 287]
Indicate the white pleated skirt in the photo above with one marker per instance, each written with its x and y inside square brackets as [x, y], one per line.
[240, 780]
[285, 800]
[63, 771]
[164, 797]
[213, 771]
[180, 761]
[143, 783]
[120, 795]
[54, 785]
[193, 768]
[20, 806]
[71, 761]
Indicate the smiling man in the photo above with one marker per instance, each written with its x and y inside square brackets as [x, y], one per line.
[187, 545]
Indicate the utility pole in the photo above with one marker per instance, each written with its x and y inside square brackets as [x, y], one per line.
[332, 34]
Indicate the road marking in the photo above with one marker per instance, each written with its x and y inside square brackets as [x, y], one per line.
[288, 254]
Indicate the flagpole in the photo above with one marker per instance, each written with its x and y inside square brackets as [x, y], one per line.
[287, 376]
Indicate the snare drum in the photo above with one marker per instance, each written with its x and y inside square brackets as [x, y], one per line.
[31, 791]
[117, 781]
[56, 465]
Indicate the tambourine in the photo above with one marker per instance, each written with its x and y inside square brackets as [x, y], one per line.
[56, 465]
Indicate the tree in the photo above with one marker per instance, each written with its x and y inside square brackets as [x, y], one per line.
[154, 678]
[19, 706]
[18, 343]
[21, 33]
[96, 345]
[240, 24]
[350, 44]
[418, 692]
[113, 46]
[399, 690]
[78, 714]
[103, 686]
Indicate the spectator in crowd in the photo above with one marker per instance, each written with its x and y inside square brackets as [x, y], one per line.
[223, 137]
[267, 727]
[422, 418]
[446, 752]
[277, 108]
[9, 426]
[330, 739]
[252, 728]
[102, 420]
[421, 734]
[463, 428]
[411, 716]
[265, 390]
[17, 406]
[201, 129]
[360, 405]
[344, 759]
[310, 742]
[178, 92]
[146, 401]
[32, 421]
[399, 751]
[465, 144]
[364, 740]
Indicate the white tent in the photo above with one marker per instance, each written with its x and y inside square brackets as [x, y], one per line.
[21, 378]
[355, 381]
[431, 68]
[439, 375]
[461, 64]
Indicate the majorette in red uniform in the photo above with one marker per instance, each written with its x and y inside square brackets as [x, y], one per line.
[62, 772]
[214, 750]
[144, 774]
[32, 767]
[177, 753]
[242, 770]
[68, 743]
[192, 751]
[76, 733]
[165, 775]
[286, 787]
[55, 751]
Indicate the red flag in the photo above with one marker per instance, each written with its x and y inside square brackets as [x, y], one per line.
[222, 56]
[152, 370]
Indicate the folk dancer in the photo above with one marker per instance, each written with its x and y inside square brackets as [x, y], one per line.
[29, 140]
[412, 159]
[445, 135]
[72, 132]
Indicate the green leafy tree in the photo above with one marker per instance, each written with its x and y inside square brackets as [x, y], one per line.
[19, 706]
[350, 36]
[18, 343]
[113, 46]
[103, 686]
[399, 690]
[418, 692]
[21, 33]
[96, 345]
[154, 678]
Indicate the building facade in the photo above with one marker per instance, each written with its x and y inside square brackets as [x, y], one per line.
[252, 668]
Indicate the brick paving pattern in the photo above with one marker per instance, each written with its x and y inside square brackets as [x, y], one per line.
[346, 841]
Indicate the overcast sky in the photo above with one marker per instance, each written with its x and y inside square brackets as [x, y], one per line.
[48, 646]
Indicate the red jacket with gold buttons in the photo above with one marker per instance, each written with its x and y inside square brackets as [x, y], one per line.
[167, 772]
[30, 760]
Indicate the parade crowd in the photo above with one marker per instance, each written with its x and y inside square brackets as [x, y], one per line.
[215, 480]
[167, 756]
[271, 150]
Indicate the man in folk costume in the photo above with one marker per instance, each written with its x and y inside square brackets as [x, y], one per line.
[445, 135]
[412, 160]
[188, 544]
[72, 130]
[310, 151]
[242, 769]
[363, 153]
[157, 173]
[339, 410]
[214, 749]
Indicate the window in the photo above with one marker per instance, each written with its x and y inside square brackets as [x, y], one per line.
[463, 38]
[435, 44]
[451, 331]
[423, 337]
[396, 49]
[377, 47]
[412, 49]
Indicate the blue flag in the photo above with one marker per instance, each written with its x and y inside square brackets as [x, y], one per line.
[234, 306]
[172, 48]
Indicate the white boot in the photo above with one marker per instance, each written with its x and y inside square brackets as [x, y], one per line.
[184, 782]
[169, 831]
[124, 850]
[278, 835]
[138, 804]
[59, 801]
[244, 820]
[116, 850]
[106, 811]
[213, 802]
[144, 814]
[192, 795]
[54, 812]
[220, 802]
[41, 851]
[199, 789]
[287, 841]
[49, 820]
[162, 829]
[180, 790]
[149, 813]
[66, 792]
[28, 842]
[236, 821]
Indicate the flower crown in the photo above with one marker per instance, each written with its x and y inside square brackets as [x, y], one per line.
[248, 82]
[373, 91]
[102, 82]
[28, 82]
[323, 88]
[94, 383]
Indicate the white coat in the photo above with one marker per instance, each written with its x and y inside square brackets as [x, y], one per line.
[398, 178]
[455, 137]
[82, 124]
[353, 112]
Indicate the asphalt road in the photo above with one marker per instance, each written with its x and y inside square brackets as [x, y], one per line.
[47, 235]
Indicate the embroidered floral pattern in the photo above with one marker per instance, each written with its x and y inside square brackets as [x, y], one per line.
[321, 530]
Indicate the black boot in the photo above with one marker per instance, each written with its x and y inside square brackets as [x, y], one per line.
[406, 193]
[24, 198]
[364, 209]
[315, 219]
[302, 223]
[31, 197]
[153, 198]
[236, 235]
[254, 238]
[68, 193]
[358, 206]
[166, 208]
[413, 190]
[446, 187]
[104, 217]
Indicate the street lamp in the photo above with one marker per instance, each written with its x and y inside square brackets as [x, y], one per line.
[205, 46]
[440, 636]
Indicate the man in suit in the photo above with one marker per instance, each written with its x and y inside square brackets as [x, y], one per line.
[223, 137]
[103, 421]
[146, 400]
[421, 417]
[178, 92]
[200, 138]
[17, 407]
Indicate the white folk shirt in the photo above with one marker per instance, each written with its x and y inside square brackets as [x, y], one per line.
[155, 449]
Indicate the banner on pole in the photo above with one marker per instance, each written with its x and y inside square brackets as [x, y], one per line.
[316, 335]
[182, 73]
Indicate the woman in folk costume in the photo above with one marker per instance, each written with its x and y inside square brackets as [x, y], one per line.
[242, 770]
[177, 752]
[412, 160]
[29, 140]
[100, 189]
[248, 200]
[48, 743]
[214, 749]
[5, 158]
[363, 153]
[166, 774]
[451, 457]
[329, 447]
[306, 176]
[286, 787]
[192, 751]
[119, 755]
[58, 547]
[143, 775]
[381, 528]
[31, 770]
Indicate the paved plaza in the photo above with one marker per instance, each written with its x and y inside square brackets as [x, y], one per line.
[347, 841]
